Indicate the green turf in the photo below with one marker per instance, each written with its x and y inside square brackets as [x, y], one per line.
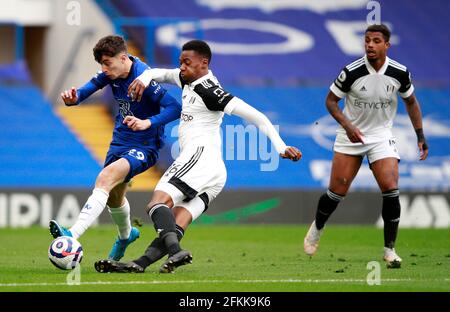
[238, 258]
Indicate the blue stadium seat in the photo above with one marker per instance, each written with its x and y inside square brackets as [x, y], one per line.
[36, 149]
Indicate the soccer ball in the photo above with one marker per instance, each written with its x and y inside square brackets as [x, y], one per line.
[65, 253]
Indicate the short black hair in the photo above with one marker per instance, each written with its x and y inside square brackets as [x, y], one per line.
[109, 46]
[382, 29]
[199, 46]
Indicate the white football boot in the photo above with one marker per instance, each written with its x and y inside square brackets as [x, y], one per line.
[393, 261]
[311, 241]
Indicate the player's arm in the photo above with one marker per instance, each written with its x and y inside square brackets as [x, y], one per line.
[406, 91]
[217, 99]
[332, 103]
[171, 110]
[138, 86]
[338, 90]
[75, 96]
[240, 108]
[413, 109]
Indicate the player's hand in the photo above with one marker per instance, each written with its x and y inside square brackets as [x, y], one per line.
[137, 124]
[136, 90]
[354, 135]
[423, 148]
[292, 153]
[70, 97]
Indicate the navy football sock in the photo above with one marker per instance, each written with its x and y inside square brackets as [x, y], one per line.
[327, 204]
[391, 216]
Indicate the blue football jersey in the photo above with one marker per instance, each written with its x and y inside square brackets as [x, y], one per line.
[154, 98]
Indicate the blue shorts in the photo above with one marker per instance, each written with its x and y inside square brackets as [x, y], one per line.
[140, 158]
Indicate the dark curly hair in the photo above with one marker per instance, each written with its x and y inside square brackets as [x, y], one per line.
[199, 46]
[383, 29]
[109, 46]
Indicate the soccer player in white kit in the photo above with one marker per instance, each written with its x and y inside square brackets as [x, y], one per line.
[198, 175]
[370, 86]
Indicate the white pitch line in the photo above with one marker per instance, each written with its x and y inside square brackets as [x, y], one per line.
[304, 281]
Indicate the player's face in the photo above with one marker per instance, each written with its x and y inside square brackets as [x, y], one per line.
[192, 66]
[375, 45]
[114, 66]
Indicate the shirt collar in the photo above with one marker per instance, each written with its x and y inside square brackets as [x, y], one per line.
[372, 70]
[199, 80]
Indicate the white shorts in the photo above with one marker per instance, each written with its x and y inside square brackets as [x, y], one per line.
[379, 149]
[196, 177]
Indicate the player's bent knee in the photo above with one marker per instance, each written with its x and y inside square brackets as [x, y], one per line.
[105, 181]
[340, 186]
[159, 198]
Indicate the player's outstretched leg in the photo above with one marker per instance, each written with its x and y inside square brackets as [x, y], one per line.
[57, 230]
[311, 241]
[111, 266]
[120, 245]
[393, 261]
[391, 217]
[180, 258]
[327, 204]
[164, 223]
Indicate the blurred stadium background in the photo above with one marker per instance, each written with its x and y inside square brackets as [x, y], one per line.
[279, 56]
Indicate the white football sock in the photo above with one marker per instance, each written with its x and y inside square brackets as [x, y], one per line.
[91, 210]
[121, 217]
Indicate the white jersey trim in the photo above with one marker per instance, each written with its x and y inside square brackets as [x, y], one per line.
[397, 65]
[355, 64]
[408, 92]
[336, 91]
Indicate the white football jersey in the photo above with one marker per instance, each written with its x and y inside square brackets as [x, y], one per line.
[203, 105]
[370, 96]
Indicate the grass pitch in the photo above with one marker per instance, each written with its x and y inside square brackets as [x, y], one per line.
[237, 258]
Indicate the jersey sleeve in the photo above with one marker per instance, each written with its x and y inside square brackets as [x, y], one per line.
[100, 80]
[214, 97]
[249, 113]
[406, 86]
[171, 111]
[342, 84]
[162, 75]
[97, 82]
[154, 92]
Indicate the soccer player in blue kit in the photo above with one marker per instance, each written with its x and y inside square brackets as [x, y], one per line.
[137, 137]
